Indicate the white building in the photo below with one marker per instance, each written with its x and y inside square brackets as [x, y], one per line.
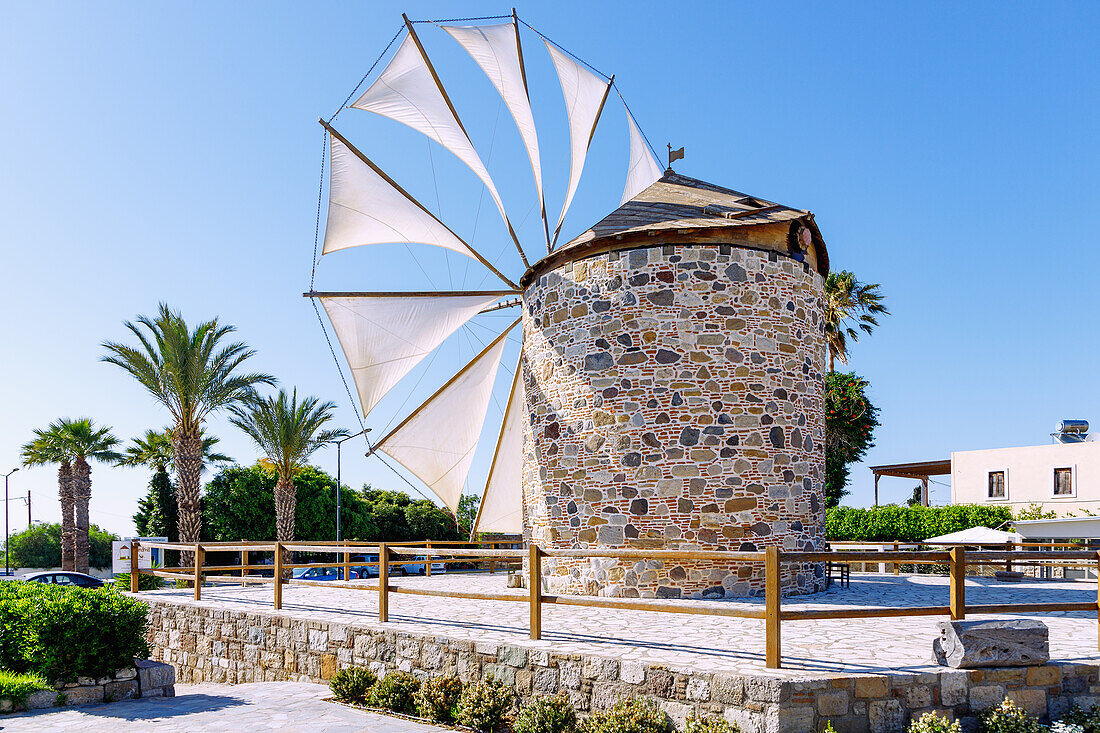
[1063, 477]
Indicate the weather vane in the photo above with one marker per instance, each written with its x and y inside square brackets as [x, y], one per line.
[674, 155]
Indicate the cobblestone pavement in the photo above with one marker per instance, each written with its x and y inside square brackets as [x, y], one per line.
[684, 642]
[287, 707]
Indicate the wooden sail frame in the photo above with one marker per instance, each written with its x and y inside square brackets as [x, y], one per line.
[450, 105]
[500, 439]
[377, 445]
[412, 199]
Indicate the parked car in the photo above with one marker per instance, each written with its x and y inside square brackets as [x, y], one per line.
[79, 580]
[366, 571]
[321, 574]
[416, 567]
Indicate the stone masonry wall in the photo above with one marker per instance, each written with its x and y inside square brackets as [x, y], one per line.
[675, 400]
[211, 645]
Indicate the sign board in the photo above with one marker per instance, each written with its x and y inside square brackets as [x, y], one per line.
[120, 554]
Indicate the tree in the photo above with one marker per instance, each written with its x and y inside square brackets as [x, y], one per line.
[850, 422]
[40, 545]
[85, 442]
[157, 514]
[849, 302]
[467, 512]
[288, 432]
[48, 447]
[192, 373]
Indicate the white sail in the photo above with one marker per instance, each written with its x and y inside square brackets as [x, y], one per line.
[501, 508]
[436, 442]
[407, 92]
[496, 50]
[643, 171]
[385, 336]
[584, 94]
[364, 208]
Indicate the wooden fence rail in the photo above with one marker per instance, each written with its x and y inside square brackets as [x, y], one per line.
[773, 614]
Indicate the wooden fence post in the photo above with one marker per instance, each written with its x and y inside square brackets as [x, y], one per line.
[134, 574]
[428, 560]
[278, 575]
[897, 565]
[198, 571]
[773, 654]
[383, 583]
[244, 564]
[534, 584]
[958, 583]
[492, 562]
[347, 564]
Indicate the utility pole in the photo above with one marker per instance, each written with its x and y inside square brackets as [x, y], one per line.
[7, 567]
[28, 508]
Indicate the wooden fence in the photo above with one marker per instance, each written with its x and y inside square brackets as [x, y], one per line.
[773, 614]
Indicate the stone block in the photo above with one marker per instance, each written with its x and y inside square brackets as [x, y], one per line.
[632, 672]
[885, 716]
[871, 688]
[121, 690]
[918, 696]
[1044, 676]
[789, 719]
[513, 656]
[570, 675]
[41, 699]
[86, 695]
[983, 697]
[954, 688]
[1033, 701]
[747, 721]
[1015, 643]
[698, 689]
[729, 690]
[767, 689]
[154, 674]
[831, 704]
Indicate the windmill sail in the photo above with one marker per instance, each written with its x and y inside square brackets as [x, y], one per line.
[501, 508]
[643, 171]
[496, 49]
[439, 457]
[384, 336]
[408, 91]
[585, 94]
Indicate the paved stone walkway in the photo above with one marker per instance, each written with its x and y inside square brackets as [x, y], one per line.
[283, 706]
[686, 642]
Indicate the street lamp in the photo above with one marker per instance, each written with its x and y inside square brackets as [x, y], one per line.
[7, 568]
[338, 443]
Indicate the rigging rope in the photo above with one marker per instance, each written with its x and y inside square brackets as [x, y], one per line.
[356, 89]
[462, 20]
[320, 196]
[564, 49]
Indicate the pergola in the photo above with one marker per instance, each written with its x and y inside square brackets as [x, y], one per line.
[920, 470]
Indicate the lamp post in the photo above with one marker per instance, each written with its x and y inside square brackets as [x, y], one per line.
[7, 568]
[338, 443]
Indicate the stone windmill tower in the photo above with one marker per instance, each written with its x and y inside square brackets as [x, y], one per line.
[669, 387]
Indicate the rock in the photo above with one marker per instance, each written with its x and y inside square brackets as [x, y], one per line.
[970, 644]
[152, 675]
[41, 699]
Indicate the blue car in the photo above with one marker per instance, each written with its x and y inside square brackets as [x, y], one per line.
[321, 574]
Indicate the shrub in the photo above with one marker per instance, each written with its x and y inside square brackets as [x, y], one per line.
[437, 698]
[64, 633]
[546, 714]
[909, 523]
[484, 705]
[17, 687]
[933, 723]
[1008, 718]
[712, 725]
[352, 684]
[1089, 721]
[145, 582]
[395, 692]
[628, 716]
[1061, 726]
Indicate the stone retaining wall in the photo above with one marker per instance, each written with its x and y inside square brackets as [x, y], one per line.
[210, 645]
[144, 679]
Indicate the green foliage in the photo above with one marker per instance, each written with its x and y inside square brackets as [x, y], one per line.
[158, 514]
[1035, 511]
[467, 512]
[632, 715]
[850, 422]
[437, 698]
[909, 523]
[1089, 720]
[351, 685]
[239, 504]
[17, 686]
[39, 546]
[484, 705]
[63, 633]
[934, 723]
[544, 714]
[145, 582]
[712, 725]
[396, 691]
[1008, 718]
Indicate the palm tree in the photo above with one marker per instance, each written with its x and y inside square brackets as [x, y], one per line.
[84, 442]
[48, 447]
[288, 432]
[154, 450]
[193, 374]
[847, 300]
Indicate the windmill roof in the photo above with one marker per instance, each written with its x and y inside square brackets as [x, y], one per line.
[677, 202]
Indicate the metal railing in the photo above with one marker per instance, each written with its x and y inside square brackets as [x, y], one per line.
[773, 614]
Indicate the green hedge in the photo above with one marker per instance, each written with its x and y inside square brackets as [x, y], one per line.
[63, 633]
[909, 523]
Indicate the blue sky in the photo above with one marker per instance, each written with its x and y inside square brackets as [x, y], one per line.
[170, 152]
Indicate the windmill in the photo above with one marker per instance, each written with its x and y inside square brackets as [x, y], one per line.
[385, 335]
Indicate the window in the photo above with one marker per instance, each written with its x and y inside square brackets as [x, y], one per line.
[62, 579]
[997, 485]
[1063, 482]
